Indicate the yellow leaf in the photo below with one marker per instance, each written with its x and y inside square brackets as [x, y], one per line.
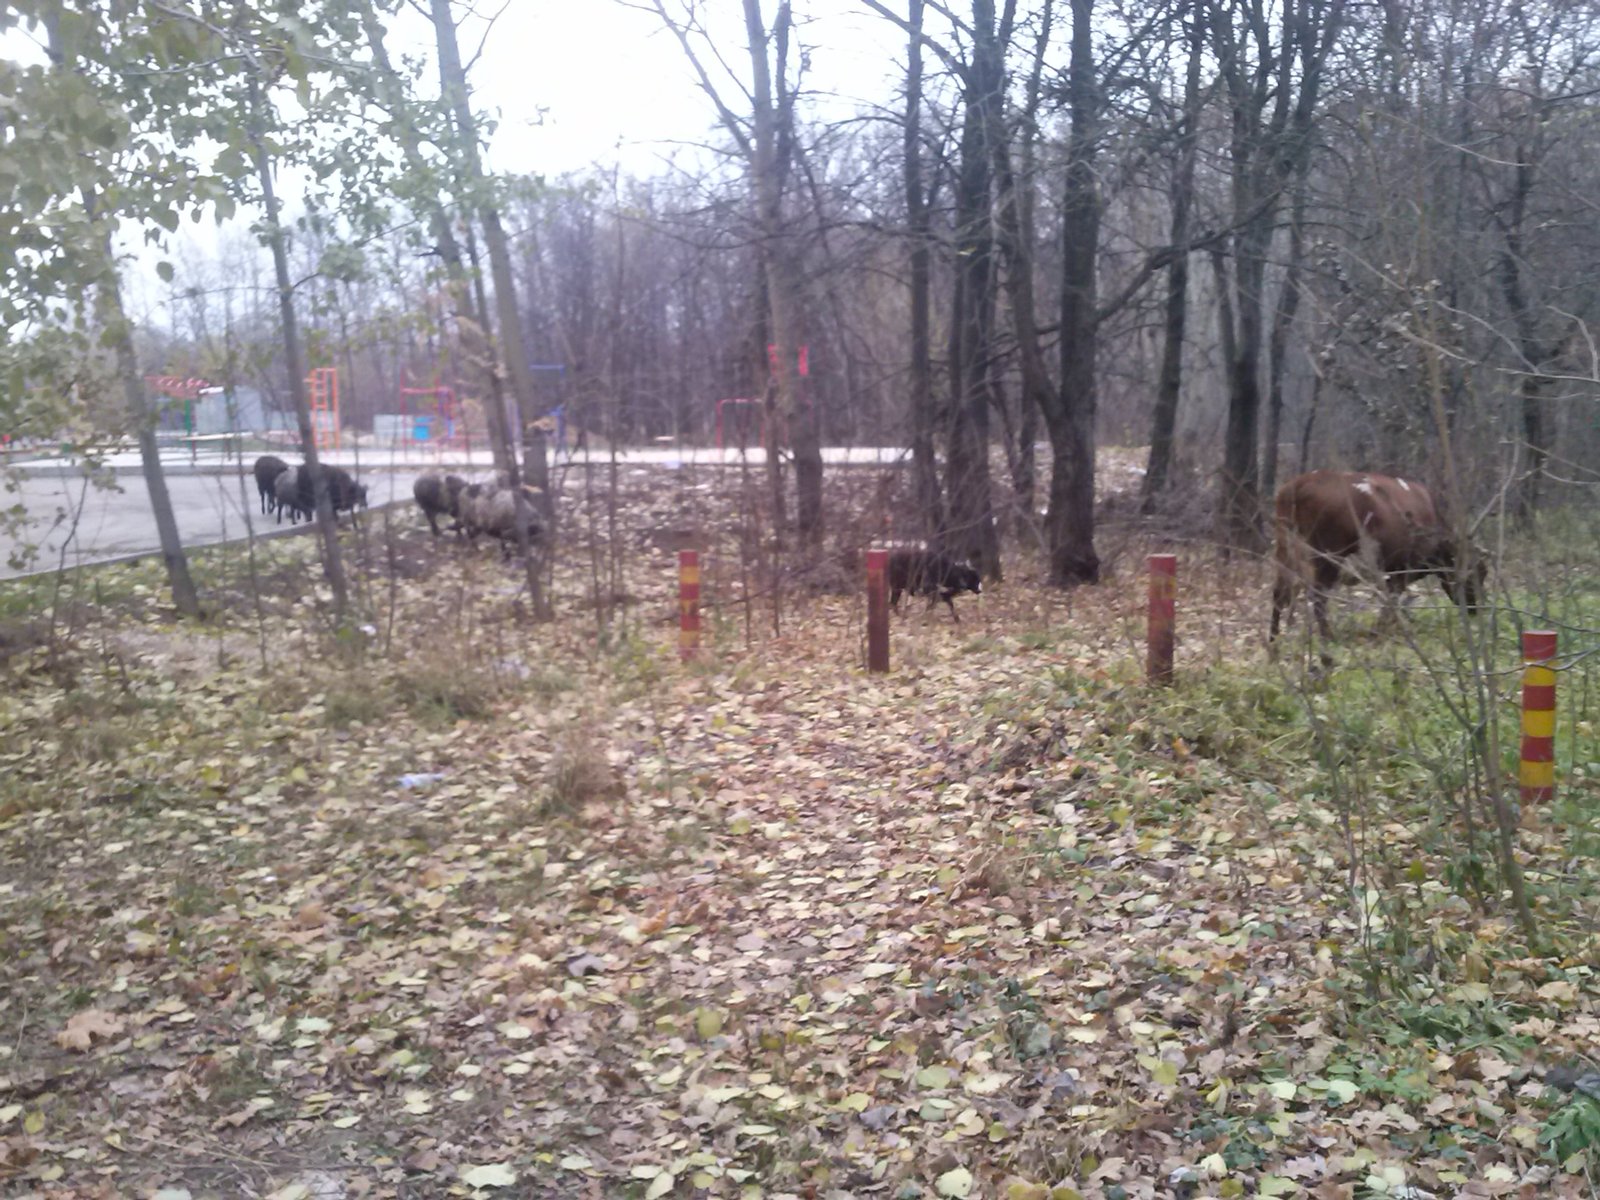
[491, 1176]
[707, 1023]
[956, 1183]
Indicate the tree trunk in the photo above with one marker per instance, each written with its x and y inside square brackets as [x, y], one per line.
[184, 596]
[115, 318]
[971, 530]
[535, 463]
[473, 326]
[772, 116]
[1282, 322]
[1071, 412]
[1240, 511]
[327, 526]
[1015, 224]
[1169, 382]
[1531, 382]
[924, 466]
[1271, 124]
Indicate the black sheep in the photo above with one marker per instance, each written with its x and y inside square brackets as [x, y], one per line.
[439, 496]
[267, 469]
[344, 493]
[930, 573]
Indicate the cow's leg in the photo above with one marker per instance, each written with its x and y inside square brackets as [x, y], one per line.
[1394, 586]
[1326, 577]
[1282, 600]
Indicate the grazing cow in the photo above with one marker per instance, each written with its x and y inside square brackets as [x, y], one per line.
[932, 574]
[267, 469]
[1326, 518]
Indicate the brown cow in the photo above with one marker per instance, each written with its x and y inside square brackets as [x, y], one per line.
[1325, 518]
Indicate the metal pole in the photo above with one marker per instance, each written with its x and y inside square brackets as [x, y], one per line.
[1538, 769]
[878, 611]
[1162, 628]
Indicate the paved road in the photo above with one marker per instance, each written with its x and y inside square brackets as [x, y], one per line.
[209, 508]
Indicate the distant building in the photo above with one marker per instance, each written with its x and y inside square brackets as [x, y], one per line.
[216, 410]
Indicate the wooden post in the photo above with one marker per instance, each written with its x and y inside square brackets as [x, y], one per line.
[1161, 633]
[688, 603]
[878, 611]
[1538, 769]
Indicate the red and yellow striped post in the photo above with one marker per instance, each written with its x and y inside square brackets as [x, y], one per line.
[1538, 771]
[688, 603]
[1161, 633]
[878, 611]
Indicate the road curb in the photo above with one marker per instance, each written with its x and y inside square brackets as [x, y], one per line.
[265, 535]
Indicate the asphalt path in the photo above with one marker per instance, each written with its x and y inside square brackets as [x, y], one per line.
[117, 523]
[74, 524]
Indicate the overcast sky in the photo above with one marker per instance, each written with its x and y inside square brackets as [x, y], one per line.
[581, 83]
[616, 85]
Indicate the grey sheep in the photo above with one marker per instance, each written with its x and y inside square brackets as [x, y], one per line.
[286, 491]
[485, 508]
[439, 496]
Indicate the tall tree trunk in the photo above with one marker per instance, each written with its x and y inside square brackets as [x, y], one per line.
[1015, 224]
[1071, 412]
[924, 466]
[1532, 384]
[327, 526]
[535, 462]
[772, 117]
[1240, 510]
[1169, 382]
[108, 296]
[118, 328]
[971, 529]
[1271, 125]
[473, 326]
[1282, 322]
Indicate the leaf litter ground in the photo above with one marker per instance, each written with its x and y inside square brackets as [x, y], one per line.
[759, 925]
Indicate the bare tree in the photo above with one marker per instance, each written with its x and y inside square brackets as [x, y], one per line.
[764, 141]
[1069, 416]
[476, 184]
[1169, 381]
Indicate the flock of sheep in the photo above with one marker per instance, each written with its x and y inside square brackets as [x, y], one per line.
[486, 506]
[292, 490]
[482, 506]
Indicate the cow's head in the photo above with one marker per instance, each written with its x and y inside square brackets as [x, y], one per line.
[964, 577]
[1462, 567]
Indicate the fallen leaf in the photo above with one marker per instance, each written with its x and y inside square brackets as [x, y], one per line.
[84, 1027]
[492, 1175]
